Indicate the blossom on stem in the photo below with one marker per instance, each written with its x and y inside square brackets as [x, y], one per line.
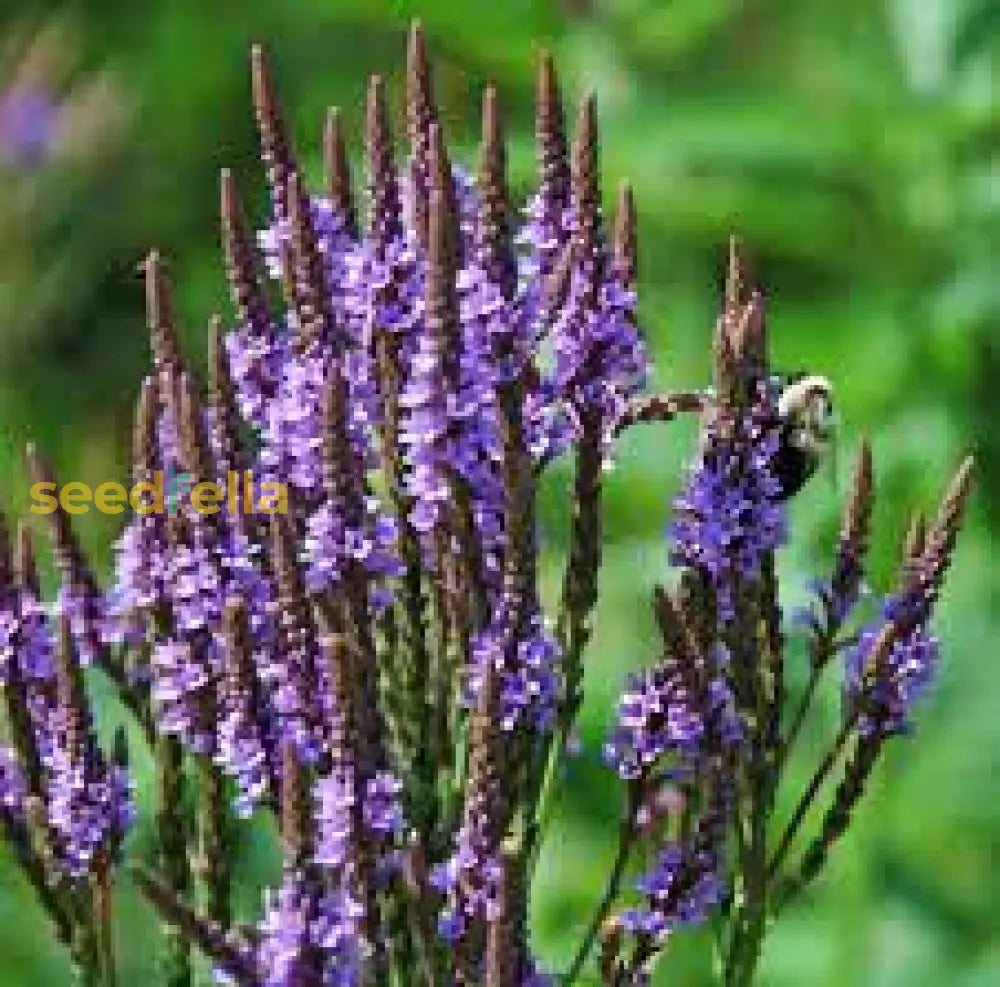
[729, 516]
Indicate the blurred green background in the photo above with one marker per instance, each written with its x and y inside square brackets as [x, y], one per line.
[854, 146]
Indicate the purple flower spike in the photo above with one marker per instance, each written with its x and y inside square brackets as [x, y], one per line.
[309, 937]
[888, 690]
[528, 662]
[730, 516]
[681, 889]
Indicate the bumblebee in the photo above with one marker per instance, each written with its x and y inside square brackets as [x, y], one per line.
[808, 427]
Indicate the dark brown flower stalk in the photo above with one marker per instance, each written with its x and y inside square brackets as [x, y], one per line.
[296, 627]
[227, 954]
[210, 865]
[421, 116]
[160, 397]
[344, 487]
[350, 754]
[746, 607]
[315, 321]
[15, 689]
[152, 533]
[78, 744]
[27, 832]
[553, 159]
[295, 814]
[586, 271]
[625, 241]
[275, 145]
[385, 221]
[462, 567]
[520, 594]
[226, 448]
[244, 694]
[922, 574]
[383, 234]
[337, 170]
[935, 559]
[739, 317]
[246, 283]
[838, 597]
[71, 697]
[504, 964]
[914, 545]
[495, 238]
[485, 814]
[242, 259]
[343, 472]
[25, 567]
[496, 258]
[588, 235]
[852, 549]
[160, 315]
[580, 579]
[75, 572]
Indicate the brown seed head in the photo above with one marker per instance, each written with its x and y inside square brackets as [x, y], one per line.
[588, 244]
[160, 315]
[943, 533]
[625, 250]
[495, 245]
[338, 169]
[25, 567]
[550, 132]
[275, 145]
[243, 267]
[144, 434]
[384, 221]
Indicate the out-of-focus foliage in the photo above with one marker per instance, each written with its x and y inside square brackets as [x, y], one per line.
[854, 147]
[62, 128]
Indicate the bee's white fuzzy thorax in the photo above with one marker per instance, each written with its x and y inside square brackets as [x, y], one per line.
[797, 396]
[806, 408]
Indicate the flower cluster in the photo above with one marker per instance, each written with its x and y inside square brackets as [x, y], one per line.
[372, 664]
[705, 720]
[54, 759]
[729, 518]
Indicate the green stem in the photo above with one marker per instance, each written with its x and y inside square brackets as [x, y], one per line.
[798, 720]
[805, 802]
[625, 843]
[171, 827]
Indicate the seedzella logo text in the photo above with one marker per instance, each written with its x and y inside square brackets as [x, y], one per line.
[167, 493]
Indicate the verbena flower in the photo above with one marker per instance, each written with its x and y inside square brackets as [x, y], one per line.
[681, 889]
[669, 714]
[373, 663]
[309, 936]
[886, 683]
[526, 659]
[729, 516]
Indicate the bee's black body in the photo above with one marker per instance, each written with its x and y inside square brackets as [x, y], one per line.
[793, 469]
[805, 403]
